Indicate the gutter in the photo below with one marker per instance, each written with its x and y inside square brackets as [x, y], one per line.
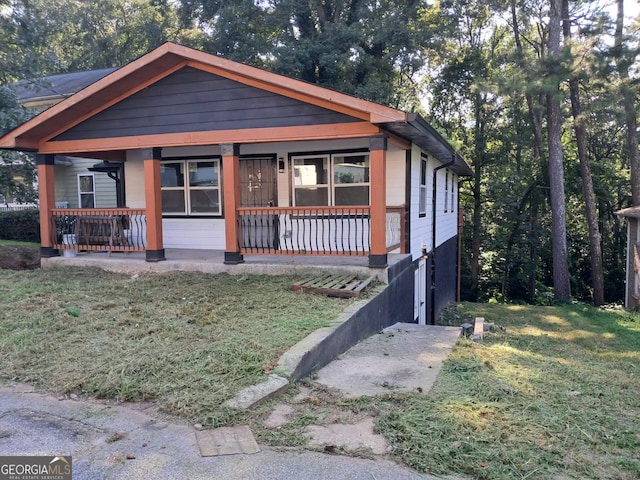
[432, 313]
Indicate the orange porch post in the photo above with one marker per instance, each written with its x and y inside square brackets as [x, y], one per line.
[153, 201]
[47, 197]
[231, 186]
[378, 221]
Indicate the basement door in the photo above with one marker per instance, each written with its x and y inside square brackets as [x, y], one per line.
[420, 297]
[258, 188]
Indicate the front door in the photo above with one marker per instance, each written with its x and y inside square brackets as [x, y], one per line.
[258, 188]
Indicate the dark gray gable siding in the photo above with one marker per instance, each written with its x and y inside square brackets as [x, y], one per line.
[191, 100]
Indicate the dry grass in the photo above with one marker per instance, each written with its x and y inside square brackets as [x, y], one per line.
[187, 341]
[554, 395]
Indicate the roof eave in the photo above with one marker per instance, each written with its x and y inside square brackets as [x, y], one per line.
[420, 132]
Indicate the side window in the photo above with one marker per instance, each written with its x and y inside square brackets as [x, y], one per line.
[86, 191]
[446, 191]
[423, 188]
[453, 192]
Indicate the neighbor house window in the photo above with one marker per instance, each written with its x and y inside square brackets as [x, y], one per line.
[190, 187]
[336, 179]
[422, 208]
[86, 191]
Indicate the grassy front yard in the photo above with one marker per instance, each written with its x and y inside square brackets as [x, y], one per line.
[551, 393]
[185, 340]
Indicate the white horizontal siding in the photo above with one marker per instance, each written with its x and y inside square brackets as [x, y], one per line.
[446, 222]
[421, 232]
[197, 233]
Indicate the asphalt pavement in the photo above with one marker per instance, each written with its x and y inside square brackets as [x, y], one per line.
[108, 441]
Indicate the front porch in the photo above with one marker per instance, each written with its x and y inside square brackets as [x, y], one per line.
[275, 232]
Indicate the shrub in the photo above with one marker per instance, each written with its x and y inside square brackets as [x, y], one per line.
[20, 225]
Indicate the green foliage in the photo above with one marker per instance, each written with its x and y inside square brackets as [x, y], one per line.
[371, 49]
[21, 225]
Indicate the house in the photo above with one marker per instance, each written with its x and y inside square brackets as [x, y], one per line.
[74, 173]
[217, 155]
[632, 294]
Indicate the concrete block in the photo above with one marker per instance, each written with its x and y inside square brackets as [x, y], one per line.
[256, 394]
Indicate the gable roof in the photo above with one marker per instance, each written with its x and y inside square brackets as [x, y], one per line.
[118, 85]
[53, 88]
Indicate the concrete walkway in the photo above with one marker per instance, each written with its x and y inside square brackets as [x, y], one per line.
[119, 442]
[402, 358]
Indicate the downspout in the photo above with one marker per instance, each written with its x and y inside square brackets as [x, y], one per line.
[432, 313]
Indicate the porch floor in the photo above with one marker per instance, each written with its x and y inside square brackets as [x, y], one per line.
[212, 261]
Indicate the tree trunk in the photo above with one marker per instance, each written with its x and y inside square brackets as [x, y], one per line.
[595, 245]
[628, 101]
[561, 283]
[479, 149]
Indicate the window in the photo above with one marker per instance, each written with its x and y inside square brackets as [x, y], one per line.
[190, 187]
[351, 179]
[337, 179]
[86, 191]
[422, 208]
[452, 192]
[446, 191]
[310, 181]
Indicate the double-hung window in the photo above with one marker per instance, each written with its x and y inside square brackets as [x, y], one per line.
[331, 179]
[311, 180]
[190, 187]
[446, 191]
[422, 207]
[86, 190]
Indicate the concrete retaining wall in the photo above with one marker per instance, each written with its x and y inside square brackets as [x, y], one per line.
[393, 303]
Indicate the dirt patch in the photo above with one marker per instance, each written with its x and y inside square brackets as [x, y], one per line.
[19, 258]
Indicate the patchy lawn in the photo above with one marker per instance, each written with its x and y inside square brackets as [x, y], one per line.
[553, 393]
[187, 341]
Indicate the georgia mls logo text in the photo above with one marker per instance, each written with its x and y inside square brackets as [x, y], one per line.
[35, 468]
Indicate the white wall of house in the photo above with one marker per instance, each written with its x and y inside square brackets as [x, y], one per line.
[446, 196]
[421, 232]
[396, 174]
[66, 184]
[446, 206]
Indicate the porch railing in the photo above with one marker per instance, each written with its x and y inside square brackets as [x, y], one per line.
[99, 229]
[396, 218]
[304, 230]
[315, 230]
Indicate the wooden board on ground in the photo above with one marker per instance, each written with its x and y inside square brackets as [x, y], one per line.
[226, 441]
[334, 285]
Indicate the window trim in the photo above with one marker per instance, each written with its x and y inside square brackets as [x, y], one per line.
[187, 188]
[92, 193]
[422, 188]
[446, 190]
